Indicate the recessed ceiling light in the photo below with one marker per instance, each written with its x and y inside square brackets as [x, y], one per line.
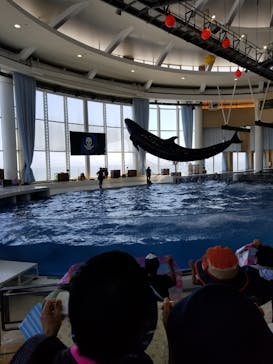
[17, 26]
[183, 78]
[213, 16]
[243, 36]
[235, 79]
[79, 55]
[265, 47]
[133, 71]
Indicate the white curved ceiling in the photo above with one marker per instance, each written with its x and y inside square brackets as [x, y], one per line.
[54, 32]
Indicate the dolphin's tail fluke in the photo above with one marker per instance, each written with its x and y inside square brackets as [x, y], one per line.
[235, 139]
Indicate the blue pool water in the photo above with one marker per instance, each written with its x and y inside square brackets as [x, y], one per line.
[181, 220]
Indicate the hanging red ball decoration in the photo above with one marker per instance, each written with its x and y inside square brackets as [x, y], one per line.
[226, 43]
[206, 33]
[170, 20]
[238, 73]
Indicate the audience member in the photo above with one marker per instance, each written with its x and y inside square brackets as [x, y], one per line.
[247, 253]
[220, 265]
[112, 311]
[160, 283]
[216, 324]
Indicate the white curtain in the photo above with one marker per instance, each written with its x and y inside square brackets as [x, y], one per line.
[25, 96]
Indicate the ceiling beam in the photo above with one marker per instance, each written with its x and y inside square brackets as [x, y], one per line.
[26, 53]
[202, 87]
[148, 84]
[271, 17]
[200, 4]
[183, 29]
[67, 14]
[118, 39]
[233, 11]
[164, 54]
[91, 74]
[261, 86]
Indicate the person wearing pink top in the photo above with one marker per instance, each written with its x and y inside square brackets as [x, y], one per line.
[112, 311]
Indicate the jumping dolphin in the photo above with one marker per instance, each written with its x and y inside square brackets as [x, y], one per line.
[168, 149]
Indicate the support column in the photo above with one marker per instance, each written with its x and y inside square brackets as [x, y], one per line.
[258, 148]
[250, 160]
[224, 162]
[259, 142]
[198, 136]
[8, 128]
[229, 161]
[86, 129]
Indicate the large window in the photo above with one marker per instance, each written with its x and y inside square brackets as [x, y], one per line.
[57, 115]
[239, 161]
[165, 122]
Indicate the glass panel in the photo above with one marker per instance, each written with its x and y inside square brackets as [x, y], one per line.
[96, 161]
[75, 127]
[1, 160]
[181, 139]
[163, 163]
[96, 129]
[113, 115]
[183, 168]
[168, 134]
[55, 107]
[152, 162]
[1, 146]
[129, 161]
[235, 161]
[114, 161]
[75, 110]
[168, 119]
[39, 135]
[128, 145]
[77, 166]
[113, 139]
[95, 113]
[57, 163]
[153, 119]
[209, 165]
[241, 161]
[218, 159]
[127, 112]
[56, 136]
[39, 166]
[39, 105]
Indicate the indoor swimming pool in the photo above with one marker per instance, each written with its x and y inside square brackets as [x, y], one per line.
[180, 220]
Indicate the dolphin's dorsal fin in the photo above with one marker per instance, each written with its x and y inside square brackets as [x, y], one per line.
[171, 140]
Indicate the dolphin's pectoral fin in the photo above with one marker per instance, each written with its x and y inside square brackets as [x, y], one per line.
[134, 143]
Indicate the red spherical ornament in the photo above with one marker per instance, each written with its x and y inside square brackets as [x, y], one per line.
[170, 20]
[206, 33]
[238, 73]
[226, 43]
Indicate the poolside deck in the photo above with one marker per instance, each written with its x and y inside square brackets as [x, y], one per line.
[15, 194]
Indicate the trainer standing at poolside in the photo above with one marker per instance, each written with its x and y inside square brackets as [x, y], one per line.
[148, 175]
[100, 175]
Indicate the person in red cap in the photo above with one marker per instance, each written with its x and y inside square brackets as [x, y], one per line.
[220, 265]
